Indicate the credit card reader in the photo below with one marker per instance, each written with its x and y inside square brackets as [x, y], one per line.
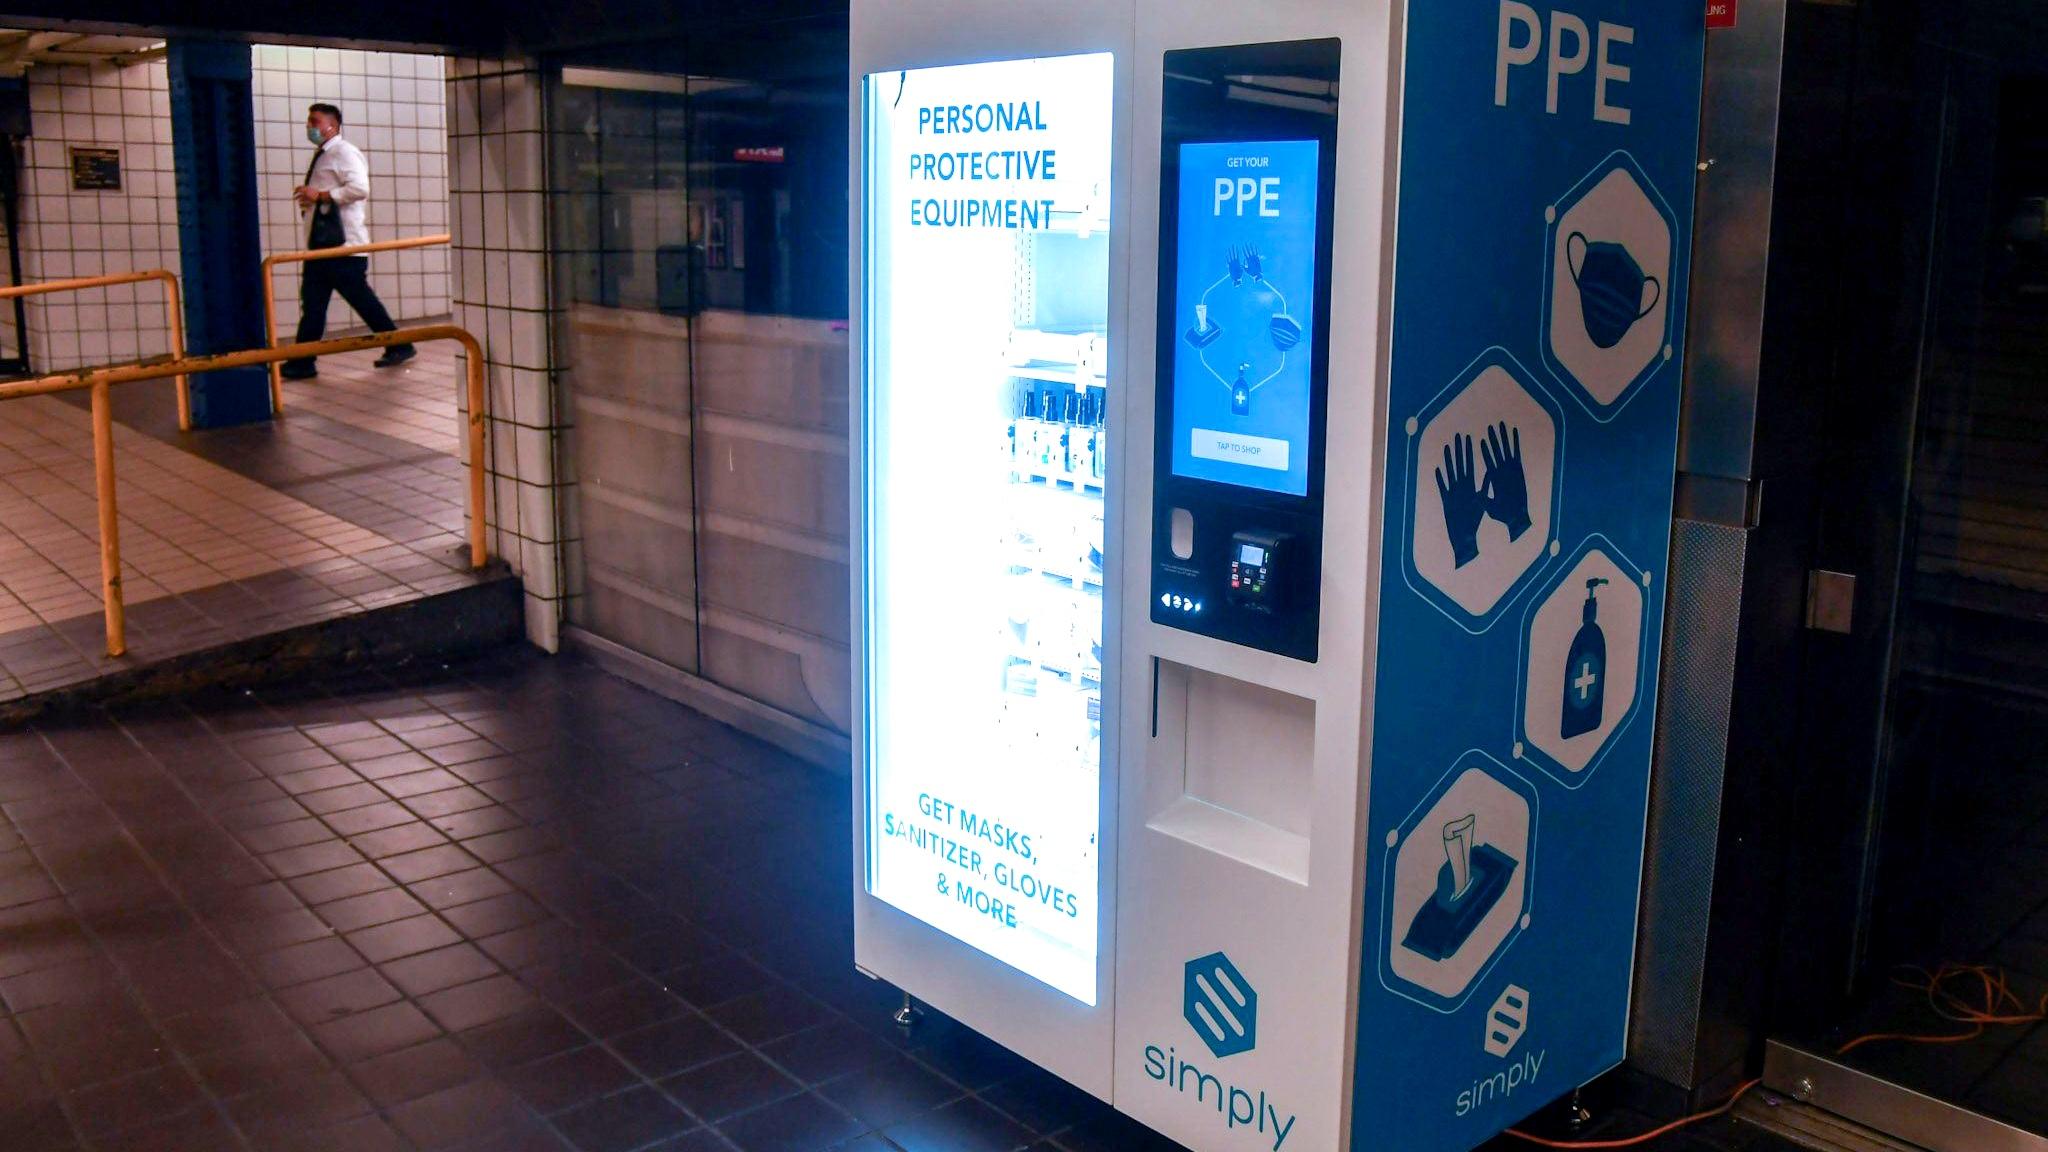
[1255, 570]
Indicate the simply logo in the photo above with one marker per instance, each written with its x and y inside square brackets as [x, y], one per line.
[1221, 1006]
[1507, 1020]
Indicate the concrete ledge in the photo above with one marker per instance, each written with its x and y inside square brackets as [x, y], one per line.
[483, 615]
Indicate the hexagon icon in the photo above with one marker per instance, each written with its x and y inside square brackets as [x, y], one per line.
[1221, 1005]
[1484, 462]
[1582, 662]
[1458, 881]
[1607, 313]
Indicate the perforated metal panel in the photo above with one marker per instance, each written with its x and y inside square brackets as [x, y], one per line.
[1693, 708]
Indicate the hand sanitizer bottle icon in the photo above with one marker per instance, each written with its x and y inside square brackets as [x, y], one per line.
[1585, 670]
[1240, 394]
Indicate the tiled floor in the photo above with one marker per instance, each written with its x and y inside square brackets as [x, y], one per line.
[227, 533]
[519, 905]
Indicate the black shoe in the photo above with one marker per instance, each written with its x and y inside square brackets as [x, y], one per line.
[395, 355]
[298, 371]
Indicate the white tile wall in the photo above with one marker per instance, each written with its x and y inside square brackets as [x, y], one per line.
[66, 233]
[393, 107]
[501, 295]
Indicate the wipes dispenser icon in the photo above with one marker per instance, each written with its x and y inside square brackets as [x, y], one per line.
[1205, 331]
[1585, 670]
[1614, 292]
[1470, 882]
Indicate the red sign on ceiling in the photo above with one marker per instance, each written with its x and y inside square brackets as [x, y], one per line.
[1721, 13]
[771, 154]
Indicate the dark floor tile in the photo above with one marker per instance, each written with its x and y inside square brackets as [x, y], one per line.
[770, 1014]
[198, 1130]
[971, 1059]
[41, 1128]
[341, 799]
[410, 1073]
[428, 863]
[458, 808]
[1109, 1131]
[710, 983]
[415, 934]
[524, 1037]
[803, 1123]
[727, 1087]
[534, 944]
[341, 883]
[673, 1046]
[496, 914]
[513, 844]
[274, 931]
[370, 1034]
[962, 1126]
[567, 1079]
[455, 889]
[290, 834]
[828, 1052]
[477, 1004]
[1041, 1101]
[362, 1134]
[626, 1007]
[81, 981]
[890, 1091]
[396, 760]
[368, 818]
[336, 996]
[257, 1064]
[302, 963]
[149, 1098]
[628, 1120]
[460, 1115]
[303, 1104]
[442, 968]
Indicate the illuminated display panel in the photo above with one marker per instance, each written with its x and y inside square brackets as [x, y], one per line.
[986, 312]
[1246, 274]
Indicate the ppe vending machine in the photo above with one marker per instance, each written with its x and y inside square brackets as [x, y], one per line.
[1264, 422]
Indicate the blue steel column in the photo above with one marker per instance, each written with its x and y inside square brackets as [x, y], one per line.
[213, 138]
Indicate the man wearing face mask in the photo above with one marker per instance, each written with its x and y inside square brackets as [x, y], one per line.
[332, 201]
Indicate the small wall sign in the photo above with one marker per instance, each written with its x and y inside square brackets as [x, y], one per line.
[95, 169]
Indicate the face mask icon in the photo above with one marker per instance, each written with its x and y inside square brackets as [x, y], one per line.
[1613, 291]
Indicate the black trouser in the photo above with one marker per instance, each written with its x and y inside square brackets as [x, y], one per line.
[348, 275]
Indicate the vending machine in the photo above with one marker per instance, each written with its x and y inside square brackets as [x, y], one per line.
[1263, 435]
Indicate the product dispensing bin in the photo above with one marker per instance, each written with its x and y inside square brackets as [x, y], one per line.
[1264, 422]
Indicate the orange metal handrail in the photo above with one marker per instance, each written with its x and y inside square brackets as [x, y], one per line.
[101, 380]
[175, 323]
[270, 264]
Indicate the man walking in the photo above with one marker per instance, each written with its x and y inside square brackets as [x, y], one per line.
[337, 184]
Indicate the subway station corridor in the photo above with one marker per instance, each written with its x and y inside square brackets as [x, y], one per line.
[516, 904]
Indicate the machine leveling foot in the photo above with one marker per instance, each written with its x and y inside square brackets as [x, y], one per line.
[908, 1015]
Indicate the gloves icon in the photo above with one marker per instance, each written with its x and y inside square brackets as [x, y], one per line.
[1507, 487]
[1467, 501]
[1252, 265]
[1236, 266]
[1463, 499]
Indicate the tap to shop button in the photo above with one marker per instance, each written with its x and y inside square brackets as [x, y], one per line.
[1255, 451]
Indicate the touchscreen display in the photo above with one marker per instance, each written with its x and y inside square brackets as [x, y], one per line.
[1243, 301]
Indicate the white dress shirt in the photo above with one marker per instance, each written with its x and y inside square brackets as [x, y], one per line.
[343, 173]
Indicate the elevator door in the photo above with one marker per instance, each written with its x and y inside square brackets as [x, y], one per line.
[1919, 871]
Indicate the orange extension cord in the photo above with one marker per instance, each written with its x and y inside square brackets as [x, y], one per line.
[2000, 1005]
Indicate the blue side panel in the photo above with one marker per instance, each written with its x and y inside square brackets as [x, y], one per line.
[1543, 233]
[213, 139]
